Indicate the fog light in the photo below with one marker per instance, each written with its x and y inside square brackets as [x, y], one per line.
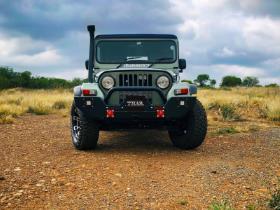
[110, 113]
[182, 91]
[160, 113]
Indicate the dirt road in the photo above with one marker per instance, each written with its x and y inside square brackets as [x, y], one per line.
[39, 168]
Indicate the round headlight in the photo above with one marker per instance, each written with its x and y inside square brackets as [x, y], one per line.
[108, 82]
[163, 82]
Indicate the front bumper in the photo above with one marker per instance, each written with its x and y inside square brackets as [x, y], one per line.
[94, 108]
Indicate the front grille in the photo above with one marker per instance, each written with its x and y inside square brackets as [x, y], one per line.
[127, 80]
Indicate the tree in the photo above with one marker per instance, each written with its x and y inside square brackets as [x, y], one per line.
[202, 79]
[25, 78]
[231, 81]
[11, 79]
[250, 81]
[187, 81]
[272, 85]
[212, 82]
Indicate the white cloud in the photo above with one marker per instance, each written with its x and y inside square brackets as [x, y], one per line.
[218, 37]
[19, 44]
[225, 53]
[270, 80]
[273, 63]
[47, 57]
[237, 70]
[24, 51]
[249, 4]
[227, 37]
[66, 73]
[262, 35]
[219, 71]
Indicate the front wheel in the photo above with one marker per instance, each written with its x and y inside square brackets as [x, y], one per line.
[84, 133]
[190, 132]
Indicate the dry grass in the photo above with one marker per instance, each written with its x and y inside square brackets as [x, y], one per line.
[229, 111]
[242, 103]
[16, 102]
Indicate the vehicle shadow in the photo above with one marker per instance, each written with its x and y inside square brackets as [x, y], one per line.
[138, 140]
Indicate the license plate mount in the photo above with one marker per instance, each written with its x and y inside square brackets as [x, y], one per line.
[133, 102]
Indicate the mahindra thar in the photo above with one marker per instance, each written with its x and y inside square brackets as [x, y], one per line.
[134, 83]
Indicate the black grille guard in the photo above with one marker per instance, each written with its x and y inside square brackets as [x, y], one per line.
[135, 89]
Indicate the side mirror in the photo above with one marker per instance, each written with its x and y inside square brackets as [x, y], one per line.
[182, 64]
[86, 64]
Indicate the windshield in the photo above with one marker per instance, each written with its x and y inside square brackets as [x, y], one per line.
[138, 51]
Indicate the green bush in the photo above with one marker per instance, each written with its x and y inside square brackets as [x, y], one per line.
[228, 112]
[274, 202]
[231, 81]
[222, 205]
[39, 109]
[227, 130]
[11, 79]
[59, 104]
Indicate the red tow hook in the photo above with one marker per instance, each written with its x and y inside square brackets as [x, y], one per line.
[160, 113]
[110, 113]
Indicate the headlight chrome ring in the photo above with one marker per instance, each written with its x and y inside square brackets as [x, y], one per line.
[163, 82]
[107, 82]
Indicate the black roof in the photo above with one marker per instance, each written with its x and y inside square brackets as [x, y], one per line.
[136, 36]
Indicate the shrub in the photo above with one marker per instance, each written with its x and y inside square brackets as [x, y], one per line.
[274, 202]
[213, 105]
[183, 202]
[228, 112]
[222, 205]
[251, 207]
[272, 85]
[227, 130]
[5, 119]
[60, 104]
[39, 109]
[273, 110]
[15, 101]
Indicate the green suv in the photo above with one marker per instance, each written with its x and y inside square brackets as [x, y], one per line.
[134, 83]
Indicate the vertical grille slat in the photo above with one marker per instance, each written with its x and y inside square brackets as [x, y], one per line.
[125, 80]
[145, 80]
[120, 80]
[150, 80]
[135, 80]
[130, 80]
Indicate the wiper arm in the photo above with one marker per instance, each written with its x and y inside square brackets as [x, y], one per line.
[119, 65]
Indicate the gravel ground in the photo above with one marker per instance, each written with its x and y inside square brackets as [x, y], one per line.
[39, 168]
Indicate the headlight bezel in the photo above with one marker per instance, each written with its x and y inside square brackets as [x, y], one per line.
[103, 81]
[163, 76]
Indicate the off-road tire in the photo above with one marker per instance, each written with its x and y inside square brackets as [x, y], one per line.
[190, 132]
[88, 131]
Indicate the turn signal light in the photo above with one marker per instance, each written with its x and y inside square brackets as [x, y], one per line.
[89, 92]
[160, 113]
[182, 91]
[110, 113]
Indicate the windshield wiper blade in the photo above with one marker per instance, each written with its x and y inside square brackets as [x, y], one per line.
[137, 58]
[161, 59]
[164, 59]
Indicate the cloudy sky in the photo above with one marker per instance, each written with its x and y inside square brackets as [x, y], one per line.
[221, 37]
